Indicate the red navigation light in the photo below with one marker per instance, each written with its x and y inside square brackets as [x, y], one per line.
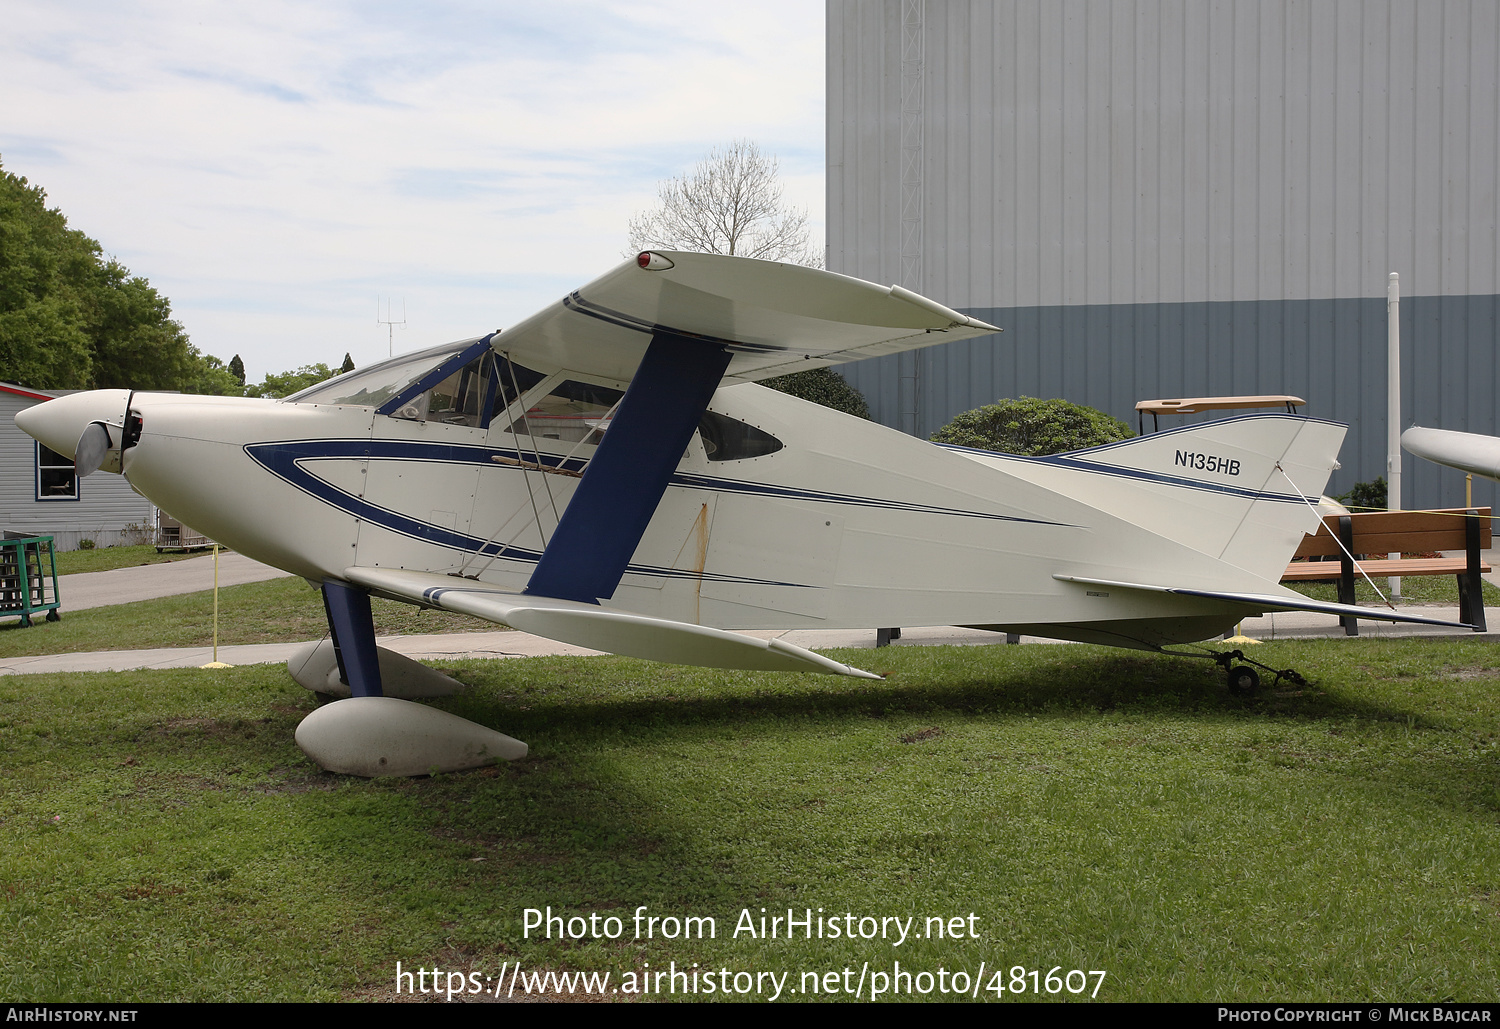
[652, 261]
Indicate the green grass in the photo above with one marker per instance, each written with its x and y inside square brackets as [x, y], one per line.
[1415, 589]
[161, 837]
[285, 610]
[103, 559]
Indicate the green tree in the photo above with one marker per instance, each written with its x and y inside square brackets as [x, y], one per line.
[822, 386]
[45, 269]
[237, 369]
[1032, 427]
[69, 319]
[1366, 496]
[348, 365]
[287, 383]
[211, 378]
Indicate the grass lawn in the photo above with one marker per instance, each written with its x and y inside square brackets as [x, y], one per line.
[1415, 589]
[103, 559]
[162, 838]
[275, 611]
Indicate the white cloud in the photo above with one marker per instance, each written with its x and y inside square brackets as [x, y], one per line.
[273, 167]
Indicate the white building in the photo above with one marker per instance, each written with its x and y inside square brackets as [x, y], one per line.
[40, 495]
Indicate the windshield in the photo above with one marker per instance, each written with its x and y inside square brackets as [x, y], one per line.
[373, 386]
[470, 394]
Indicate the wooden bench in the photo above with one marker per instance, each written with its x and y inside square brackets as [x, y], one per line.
[1192, 405]
[1400, 532]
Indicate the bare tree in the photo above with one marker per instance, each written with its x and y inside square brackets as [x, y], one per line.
[729, 204]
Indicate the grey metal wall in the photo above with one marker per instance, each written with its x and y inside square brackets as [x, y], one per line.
[1159, 199]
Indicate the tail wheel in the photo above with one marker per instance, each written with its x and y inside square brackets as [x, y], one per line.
[1243, 680]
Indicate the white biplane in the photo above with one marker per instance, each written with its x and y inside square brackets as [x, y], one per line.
[607, 473]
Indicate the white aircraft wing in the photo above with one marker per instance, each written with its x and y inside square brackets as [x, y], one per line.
[774, 319]
[676, 326]
[588, 625]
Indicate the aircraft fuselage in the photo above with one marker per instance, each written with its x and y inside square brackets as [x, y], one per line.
[838, 523]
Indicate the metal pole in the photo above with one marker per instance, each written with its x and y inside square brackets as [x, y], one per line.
[1393, 408]
[216, 663]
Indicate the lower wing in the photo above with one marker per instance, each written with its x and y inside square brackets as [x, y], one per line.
[588, 625]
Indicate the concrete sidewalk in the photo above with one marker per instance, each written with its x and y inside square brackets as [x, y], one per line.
[483, 645]
[148, 582]
[448, 647]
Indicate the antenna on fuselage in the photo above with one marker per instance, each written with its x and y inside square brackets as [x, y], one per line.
[390, 323]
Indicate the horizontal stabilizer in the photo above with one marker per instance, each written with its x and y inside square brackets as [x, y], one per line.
[1466, 451]
[1263, 602]
[588, 625]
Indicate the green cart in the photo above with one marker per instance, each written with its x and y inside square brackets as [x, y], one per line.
[28, 577]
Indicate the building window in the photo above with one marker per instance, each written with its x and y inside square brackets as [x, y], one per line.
[56, 478]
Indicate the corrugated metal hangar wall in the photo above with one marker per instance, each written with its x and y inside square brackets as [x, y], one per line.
[1164, 199]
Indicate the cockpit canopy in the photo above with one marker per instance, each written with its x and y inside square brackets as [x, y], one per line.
[468, 383]
[463, 383]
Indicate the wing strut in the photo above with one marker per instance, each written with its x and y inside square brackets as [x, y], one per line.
[628, 474]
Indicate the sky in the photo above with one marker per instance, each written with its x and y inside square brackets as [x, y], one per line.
[284, 172]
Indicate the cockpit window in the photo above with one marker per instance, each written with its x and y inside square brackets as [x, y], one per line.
[456, 400]
[373, 386]
[472, 394]
[515, 380]
[728, 439]
[580, 412]
[572, 412]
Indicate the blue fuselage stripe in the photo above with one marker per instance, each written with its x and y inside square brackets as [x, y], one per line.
[293, 461]
[1071, 461]
[287, 460]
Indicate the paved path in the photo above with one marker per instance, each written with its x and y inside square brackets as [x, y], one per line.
[469, 645]
[148, 582]
[449, 647]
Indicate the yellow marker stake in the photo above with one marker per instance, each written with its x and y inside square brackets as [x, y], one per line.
[1240, 637]
[216, 663]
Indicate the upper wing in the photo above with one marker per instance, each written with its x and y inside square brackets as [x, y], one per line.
[774, 318]
[675, 326]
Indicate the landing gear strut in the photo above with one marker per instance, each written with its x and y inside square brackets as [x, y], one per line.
[1244, 680]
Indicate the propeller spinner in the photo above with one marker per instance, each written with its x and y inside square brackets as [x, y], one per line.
[93, 446]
